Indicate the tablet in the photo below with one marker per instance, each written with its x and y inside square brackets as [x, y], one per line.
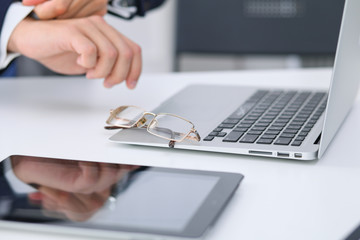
[113, 201]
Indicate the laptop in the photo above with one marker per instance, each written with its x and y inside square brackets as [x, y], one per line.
[282, 123]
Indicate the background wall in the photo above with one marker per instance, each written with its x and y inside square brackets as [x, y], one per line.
[157, 35]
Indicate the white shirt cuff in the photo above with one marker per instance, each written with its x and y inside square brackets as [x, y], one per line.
[15, 14]
[18, 186]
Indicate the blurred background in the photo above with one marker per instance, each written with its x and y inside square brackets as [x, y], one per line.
[212, 35]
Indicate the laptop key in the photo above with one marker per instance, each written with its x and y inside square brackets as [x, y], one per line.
[254, 115]
[283, 141]
[294, 127]
[293, 131]
[251, 119]
[255, 132]
[277, 124]
[221, 134]
[258, 128]
[306, 129]
[248, 138]
[243, 125]
[265, 141]
[233, 136]
[262, 124]
[287, 135]
[296, 143]
[209, 138]
[282, 120]
[241, 129]
[231, 121]
[269, 136]
[299, 138]
[251, 122]
[226, 125]
[303, 134]
[265, 121]
[243, 110]
[272, 132]
[275, 128]
[297, 123]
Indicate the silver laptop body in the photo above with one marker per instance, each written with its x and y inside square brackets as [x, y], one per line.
[215, 103]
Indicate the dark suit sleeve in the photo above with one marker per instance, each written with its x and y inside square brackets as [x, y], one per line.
[5, 189]
[12, 204]
[5, 4]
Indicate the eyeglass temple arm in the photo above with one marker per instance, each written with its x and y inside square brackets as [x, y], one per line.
[196, 137]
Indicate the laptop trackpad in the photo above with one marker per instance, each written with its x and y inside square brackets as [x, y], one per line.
[205, 105]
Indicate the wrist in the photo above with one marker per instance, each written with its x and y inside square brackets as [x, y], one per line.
[16, 37]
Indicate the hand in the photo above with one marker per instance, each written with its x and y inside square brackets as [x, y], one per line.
[62, 9]
[72, 189]
[80, 46]
[71, 206]
[69, 176]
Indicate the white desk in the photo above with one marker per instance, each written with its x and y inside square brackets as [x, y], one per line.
[278, 199]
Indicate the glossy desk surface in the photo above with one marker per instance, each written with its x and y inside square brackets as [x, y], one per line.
[278, 199]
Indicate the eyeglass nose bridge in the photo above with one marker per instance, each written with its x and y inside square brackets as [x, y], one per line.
[143, 120]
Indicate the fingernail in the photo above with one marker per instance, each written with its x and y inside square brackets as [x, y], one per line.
[133, 84]
[108, 85]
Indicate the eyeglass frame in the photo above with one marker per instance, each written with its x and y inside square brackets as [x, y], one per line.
[141, 123]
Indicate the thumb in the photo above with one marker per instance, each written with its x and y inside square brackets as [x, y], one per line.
[51, 9]
[32, 2]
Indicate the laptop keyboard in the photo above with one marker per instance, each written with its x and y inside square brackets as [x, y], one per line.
[272, 117]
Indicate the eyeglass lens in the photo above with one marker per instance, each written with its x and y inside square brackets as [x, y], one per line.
[126, 116]
[170, 127]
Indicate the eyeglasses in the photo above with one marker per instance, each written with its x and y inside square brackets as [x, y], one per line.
[164, 125]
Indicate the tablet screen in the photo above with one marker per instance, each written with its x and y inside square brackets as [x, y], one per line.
[113, 197]
[160, 197]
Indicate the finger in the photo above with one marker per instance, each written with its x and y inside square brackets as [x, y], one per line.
[52, 9]
[81, 9]
[122, 65]
[91, 202]
[32, 2]
[90, 172]
[73, 8]
[86, 50]
[136, 66]
[54, 194]
[96, 177]
[82, 207]
[79, 50]
[60, 200]
[108, 176]
[125, 56]
[107, 52]
[65, 63]
[35, 196]
[49, 204]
